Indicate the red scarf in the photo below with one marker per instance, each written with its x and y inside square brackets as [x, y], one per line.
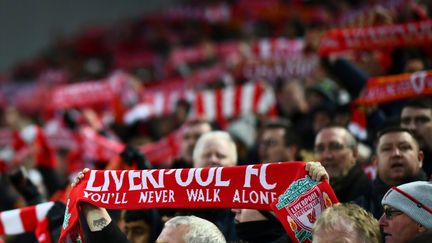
[84, 145]
[254, 186]
[377, 37]
[396, 87]
[357, 125]
[215, 105]
[32, 218]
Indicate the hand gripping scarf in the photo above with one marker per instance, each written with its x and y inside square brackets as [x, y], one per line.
[284, 188]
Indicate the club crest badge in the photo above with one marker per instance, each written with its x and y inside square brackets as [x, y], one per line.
[303, 201]
[66, 216]
[418, 81]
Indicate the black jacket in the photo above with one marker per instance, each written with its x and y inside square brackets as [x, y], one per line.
[371, 200]
[351, 186]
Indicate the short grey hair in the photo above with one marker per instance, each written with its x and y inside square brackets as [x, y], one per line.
[199, 146]
[351, 141]
[346, 222]
[198, 230]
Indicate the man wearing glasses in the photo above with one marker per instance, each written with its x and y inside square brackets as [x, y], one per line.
[278, 142]
[407, 211]
[336, 149]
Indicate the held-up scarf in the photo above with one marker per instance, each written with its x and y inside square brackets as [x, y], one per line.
[20, 144]
[86, 145]
[284, 187]
[28, 219]
[395, 87]
[215, 105]
[376, 37]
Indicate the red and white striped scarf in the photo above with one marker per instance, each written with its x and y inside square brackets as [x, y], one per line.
[95, 147]
[215, 105]
[28, 219]
[20, 143]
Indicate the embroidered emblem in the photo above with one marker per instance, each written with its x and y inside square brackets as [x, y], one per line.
[303, 202]
[418, 81]
[66, 216]
[295, 190]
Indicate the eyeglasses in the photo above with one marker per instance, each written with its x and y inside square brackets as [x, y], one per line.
[391, 213]
[269, 143]
[332, 147]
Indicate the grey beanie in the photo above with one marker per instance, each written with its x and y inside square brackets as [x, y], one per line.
[414, 199]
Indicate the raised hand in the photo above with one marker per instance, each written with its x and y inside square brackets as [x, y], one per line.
[79, 177]
[316, 171]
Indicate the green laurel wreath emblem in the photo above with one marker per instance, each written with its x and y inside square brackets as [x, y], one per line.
[66, 216]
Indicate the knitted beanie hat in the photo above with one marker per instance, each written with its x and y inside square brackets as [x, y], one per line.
[414, 199]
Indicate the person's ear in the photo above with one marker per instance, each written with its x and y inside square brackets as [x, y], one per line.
[356, 155]
[421, 228]
[421, 157]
